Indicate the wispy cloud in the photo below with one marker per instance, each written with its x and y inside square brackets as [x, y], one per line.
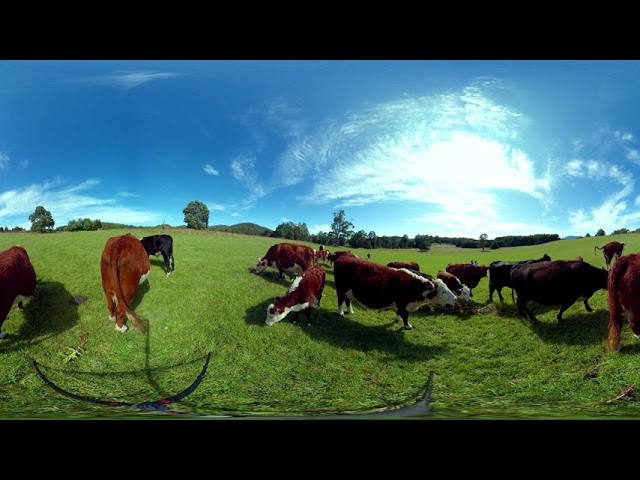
[215, 206]
[68, 203]
[129, 80]
[4, 160]
[128, 194]
[210, 170]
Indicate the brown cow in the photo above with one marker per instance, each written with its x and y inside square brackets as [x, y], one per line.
[469, 275]
[304, 293]
[460, 290]
[624, 302]
[17, 281]
[289, 258]
[611, 251]
[124, 265]
[409, 265]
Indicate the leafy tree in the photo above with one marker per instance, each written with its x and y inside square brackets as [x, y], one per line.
[341, 228]
[587, 235]
[483, 241]
[196, 215]
[600, 233]
[41, 220]
[620, 230]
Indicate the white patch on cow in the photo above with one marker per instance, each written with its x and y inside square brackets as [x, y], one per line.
[144, 277]
[2, 335]
[274, 318]
[262, 264]
[113, 319]
[340, 312]
[444, 296]
[18, 299]
[294, 284]
[425, 280]
[123, 329]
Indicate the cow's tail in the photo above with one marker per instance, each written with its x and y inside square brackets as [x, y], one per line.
[596, 248]
[616, 316]
[137, 321]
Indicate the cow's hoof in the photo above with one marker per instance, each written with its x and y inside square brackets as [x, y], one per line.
[113, 319]
[3, 334]
[123, 329]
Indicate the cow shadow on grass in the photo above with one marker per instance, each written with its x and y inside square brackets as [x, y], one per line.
[582, 328]
[158, 262]
[271, 276]
[48, 313]
[348, 333]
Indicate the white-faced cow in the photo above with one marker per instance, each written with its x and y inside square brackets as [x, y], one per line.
[379, 287]
[611, 251]
[409, 265]
[304, 293]
[556, 282]
[500, 275]
[460, 290]
[17, 281]
[624, 298]
[124, 265]
[289, 258]
[160, 244]
[468, 274]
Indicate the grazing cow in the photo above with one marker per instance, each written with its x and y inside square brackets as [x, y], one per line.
[460, 290]
[409, 265]
[500, 275]
[611, 251]
[17, 281]
[469, 275]
[160, 244]
[556, 282]
[289, 258]
[624, 301]
[124, 265]
[304, 293]
[380, 287]
[322, 255]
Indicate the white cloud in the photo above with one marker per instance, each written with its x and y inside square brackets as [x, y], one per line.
[215, 206]
[325, 227]
[128, 194]
[4, 160]
[210, 170]
[129, 80]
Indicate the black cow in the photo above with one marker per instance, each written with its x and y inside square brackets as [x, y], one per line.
[160, 244]
[500, 275]
[557, 282]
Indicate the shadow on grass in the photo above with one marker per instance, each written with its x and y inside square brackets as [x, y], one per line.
[49, 313]
[272, 276]
[158, 262]
[586, 328]
[348, 333]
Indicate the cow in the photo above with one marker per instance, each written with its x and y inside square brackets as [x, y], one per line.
[500, 275]
[304, 293]
[160, 244]
[611, 251]
[322, 255]
[289, 258]
[469, 275]
[379, 287]
[409, 265]
[17, 281]
[624, 302]
[336, 255]
[460, 290]
[556, 282]
[124, 265]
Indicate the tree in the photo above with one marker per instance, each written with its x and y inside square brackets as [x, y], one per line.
[341, 229]
[483, 240]
[41, 220]
[587, 235]
[600, 233]
[196, 215]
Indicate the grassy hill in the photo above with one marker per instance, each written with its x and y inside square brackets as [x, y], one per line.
[246, 228]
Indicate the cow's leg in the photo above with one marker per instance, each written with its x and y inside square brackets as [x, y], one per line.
[166, 263]
[4, 311]
[587, 306]
[564, 307]
[404, 315]
[524, 310]
[491, 290]
[499, 290]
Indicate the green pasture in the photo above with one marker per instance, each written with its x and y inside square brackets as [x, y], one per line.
[487, 361]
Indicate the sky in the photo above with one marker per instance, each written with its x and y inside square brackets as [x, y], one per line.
[455, 148]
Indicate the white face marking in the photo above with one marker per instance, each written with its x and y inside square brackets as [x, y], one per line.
[465, 295]
[276, 317]
[262, 264]
[444, 296]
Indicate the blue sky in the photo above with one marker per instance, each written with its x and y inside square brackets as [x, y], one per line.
[439, 147]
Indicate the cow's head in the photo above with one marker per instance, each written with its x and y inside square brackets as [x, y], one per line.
[262, 264]
[463, 293]
[441, 295]
[275, 313]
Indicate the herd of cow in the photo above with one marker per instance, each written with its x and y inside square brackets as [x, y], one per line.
[399, 286]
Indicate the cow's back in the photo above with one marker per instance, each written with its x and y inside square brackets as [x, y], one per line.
[624, 301]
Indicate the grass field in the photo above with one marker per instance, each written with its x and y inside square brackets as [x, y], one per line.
[487, 361]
